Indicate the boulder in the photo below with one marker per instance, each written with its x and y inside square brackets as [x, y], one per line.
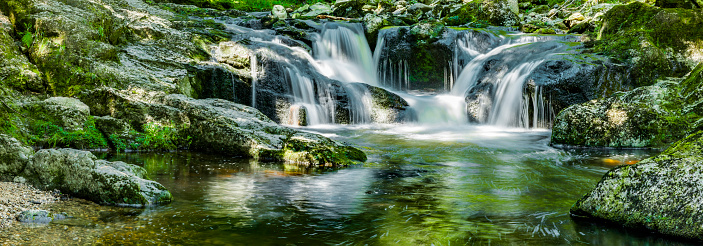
[214, 125]
[14, 156]
[662, 193]
[387, 107]
[348, 8]
[641, 118]
[279, 12]
[318, 8]
[80, 174]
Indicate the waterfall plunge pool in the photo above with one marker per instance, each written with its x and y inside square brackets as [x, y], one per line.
[422, 185]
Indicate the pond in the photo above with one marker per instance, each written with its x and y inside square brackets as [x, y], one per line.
[422, 185]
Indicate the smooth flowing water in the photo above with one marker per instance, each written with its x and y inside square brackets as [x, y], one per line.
[422, 185]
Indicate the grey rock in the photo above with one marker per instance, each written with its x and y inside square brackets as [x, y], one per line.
[279, 12]
[79, 173]
[14, 156]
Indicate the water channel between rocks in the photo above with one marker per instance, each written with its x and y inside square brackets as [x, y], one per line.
[422, 185]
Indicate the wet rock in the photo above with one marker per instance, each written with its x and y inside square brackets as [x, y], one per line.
[14, 156]
[387, 107]
[79, 173]
[348, 8]
[639, 118]
[662, 193]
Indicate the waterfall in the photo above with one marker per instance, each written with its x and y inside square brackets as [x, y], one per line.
[344, 54]
[494, 79]
[252, 61]
[510, 108]
[305, 98]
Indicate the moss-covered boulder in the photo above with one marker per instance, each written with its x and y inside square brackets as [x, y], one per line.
[213, 125]
[655, 42]
[643, 117]
[13, 157]
[662, 194]
[79, 173]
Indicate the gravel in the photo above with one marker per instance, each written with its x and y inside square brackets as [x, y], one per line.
[17, 197]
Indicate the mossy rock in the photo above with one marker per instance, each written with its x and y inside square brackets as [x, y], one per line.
[656, 42]
[641, 118]
[79, 173]
[661, 193]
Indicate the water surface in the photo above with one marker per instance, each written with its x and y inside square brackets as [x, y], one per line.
[422, 185]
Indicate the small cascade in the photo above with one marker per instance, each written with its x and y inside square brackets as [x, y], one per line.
[254, 75]
[494, 80]
[509, 107]
[305, 98]
[344, 54]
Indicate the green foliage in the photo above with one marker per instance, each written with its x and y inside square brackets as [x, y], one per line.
[27, 36]
[155, 137]
[47, 133]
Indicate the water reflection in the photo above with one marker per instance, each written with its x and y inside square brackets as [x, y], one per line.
[422, 186]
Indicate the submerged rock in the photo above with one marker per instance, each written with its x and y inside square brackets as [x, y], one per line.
[39, 216]
[663, 193]
[79, 173]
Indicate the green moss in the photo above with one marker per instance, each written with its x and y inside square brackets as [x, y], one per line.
[646, 36]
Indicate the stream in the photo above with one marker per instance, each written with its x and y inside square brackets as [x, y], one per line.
[422, 185]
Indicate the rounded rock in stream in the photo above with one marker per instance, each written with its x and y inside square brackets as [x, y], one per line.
[79, 173]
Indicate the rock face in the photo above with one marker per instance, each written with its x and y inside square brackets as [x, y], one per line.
[17, 72]
[80, 173]
[643, 117]
[220, 126]
[662, 194]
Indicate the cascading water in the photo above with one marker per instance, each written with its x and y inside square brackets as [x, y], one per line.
[495, 78]
[343, 53]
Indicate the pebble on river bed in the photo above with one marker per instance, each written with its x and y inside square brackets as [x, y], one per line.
[17, 197]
